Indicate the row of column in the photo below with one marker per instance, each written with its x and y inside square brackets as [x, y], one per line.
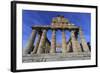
[40, 46]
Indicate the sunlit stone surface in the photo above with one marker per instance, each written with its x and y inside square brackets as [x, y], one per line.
[76, 48]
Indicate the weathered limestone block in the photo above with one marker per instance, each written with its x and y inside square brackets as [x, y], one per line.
[42, 42]
[83, 42]
[53, 42]
[29, 46]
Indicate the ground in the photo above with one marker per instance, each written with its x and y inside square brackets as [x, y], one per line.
[56, 57]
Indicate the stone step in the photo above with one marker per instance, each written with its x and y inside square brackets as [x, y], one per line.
[56, 57]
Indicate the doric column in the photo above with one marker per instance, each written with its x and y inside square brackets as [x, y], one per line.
[75, 44]
[29, 46]
[83, 42]
[42, 42]
[47, 47]
[53, 42]
[69, 46]
[37, 43]
[64, 44]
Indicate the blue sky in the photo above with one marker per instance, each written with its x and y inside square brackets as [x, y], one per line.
[31, 17]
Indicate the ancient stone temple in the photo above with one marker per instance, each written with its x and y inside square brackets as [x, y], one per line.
[76, 44]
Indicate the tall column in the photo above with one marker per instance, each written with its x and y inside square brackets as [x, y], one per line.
[31, 40]
[64, 44]
[69, 46]
[53, 42]
[42, 42]
[83, 42]
[37, 43]
[75, 44]
[47, 47]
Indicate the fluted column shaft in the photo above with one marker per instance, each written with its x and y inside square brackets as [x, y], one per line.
[69, 46]
[31, 40]
[53, 42]
[37, 43]
[47, 47]
[64, 44]
[42, 42]
[83, 42]
[75, 44]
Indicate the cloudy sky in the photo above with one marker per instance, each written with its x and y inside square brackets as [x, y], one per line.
[31, 17]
